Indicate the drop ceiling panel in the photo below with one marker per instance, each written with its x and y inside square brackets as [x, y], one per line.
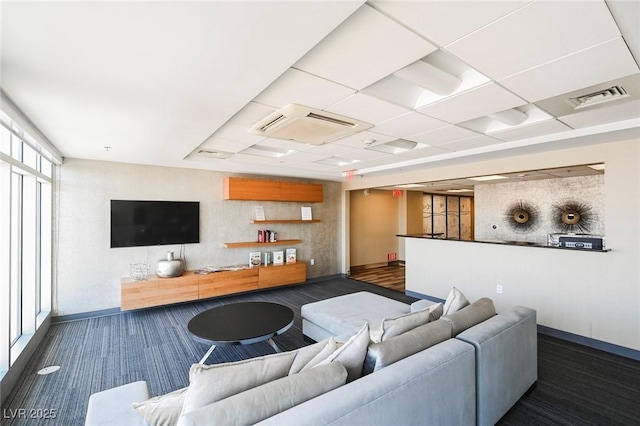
[301, 158]
[365, 48]
[559, 106]
[251, 114]
[298, 87]
[282, 144]
[356, 141]
[539, 32]
[251, 159]
[237, 132]
[409, 124]
[364, 155]
[607, 61]
[471, 143]
[620, 112]
[367, 108]
[327, 149]
[537, 129]
[225, 145]
[445, 21]
[428, 151]
[442, 135]
[474, 103]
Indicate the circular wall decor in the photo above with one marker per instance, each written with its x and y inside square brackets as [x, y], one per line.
[522, 217]
[573, 217]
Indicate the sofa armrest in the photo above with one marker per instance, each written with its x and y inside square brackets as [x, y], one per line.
[114, 407]
[506, 360]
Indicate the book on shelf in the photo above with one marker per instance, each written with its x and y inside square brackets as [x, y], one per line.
[278, 257]
[291, 255]
[306, 213]
[254, 258]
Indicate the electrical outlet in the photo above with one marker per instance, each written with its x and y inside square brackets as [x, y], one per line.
[312, 261]
[499, 289]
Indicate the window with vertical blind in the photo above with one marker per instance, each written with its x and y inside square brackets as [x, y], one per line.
[26, 180]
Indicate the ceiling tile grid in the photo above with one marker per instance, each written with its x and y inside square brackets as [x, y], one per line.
[365, 48]
[458, 76]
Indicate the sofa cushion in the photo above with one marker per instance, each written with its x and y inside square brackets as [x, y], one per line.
[348, 313]
[380, 355]
[306, 354]
[394, 326]
[475, 313]
[163, 410]
[259, 403]
[455, 301]
[211, 383]
[352, 353]
[117, 404]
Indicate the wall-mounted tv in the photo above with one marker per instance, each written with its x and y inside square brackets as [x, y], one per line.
[150, 223]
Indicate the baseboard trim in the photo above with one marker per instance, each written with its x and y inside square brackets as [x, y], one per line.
[589, 342]
[423, 296]
[564, 335]
[85, 315]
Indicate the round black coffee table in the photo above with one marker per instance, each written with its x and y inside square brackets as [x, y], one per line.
[241, 324]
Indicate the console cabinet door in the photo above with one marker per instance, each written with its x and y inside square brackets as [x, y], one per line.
[276, 275]
[158, 291]
[228, 282]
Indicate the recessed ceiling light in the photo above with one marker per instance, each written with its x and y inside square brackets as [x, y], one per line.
[490, 177]
[597, 166]
[267, 151]
[459, 190]
[335, 161]
[397, 146]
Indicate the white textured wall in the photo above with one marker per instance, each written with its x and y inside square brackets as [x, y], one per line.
[493, 200]
[591, 294]
[88, 271]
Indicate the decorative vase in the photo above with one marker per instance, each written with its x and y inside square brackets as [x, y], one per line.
[169, 267]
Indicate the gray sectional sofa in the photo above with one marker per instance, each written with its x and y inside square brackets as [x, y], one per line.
[466, 368]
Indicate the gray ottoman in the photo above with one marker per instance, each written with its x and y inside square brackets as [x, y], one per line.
[345, 315]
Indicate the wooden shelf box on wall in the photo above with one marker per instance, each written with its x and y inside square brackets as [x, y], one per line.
[270, 190]
[258, 244]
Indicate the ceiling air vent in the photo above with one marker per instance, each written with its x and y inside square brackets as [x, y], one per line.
[307, 125]
[607, 95]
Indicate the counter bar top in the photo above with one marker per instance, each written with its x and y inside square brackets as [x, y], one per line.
[439, 236]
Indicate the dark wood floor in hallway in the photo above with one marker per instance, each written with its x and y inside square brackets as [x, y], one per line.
[391, 277]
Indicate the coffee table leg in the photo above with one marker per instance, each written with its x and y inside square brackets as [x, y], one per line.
[274, 346]
[204, 358]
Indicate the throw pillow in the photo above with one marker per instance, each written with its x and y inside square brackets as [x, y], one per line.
[394, 326]
[325, 353]
[380, 355]
[306, 354]
[211, 383]
[435, 309]
[262, 402]
[352, 353]
[163, 410]
[455, 301]
[467, 317]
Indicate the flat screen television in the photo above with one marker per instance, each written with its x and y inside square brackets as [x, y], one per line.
[150, 223]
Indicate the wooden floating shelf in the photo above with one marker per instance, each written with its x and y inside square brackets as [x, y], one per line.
[256, 244]
[286, 221]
